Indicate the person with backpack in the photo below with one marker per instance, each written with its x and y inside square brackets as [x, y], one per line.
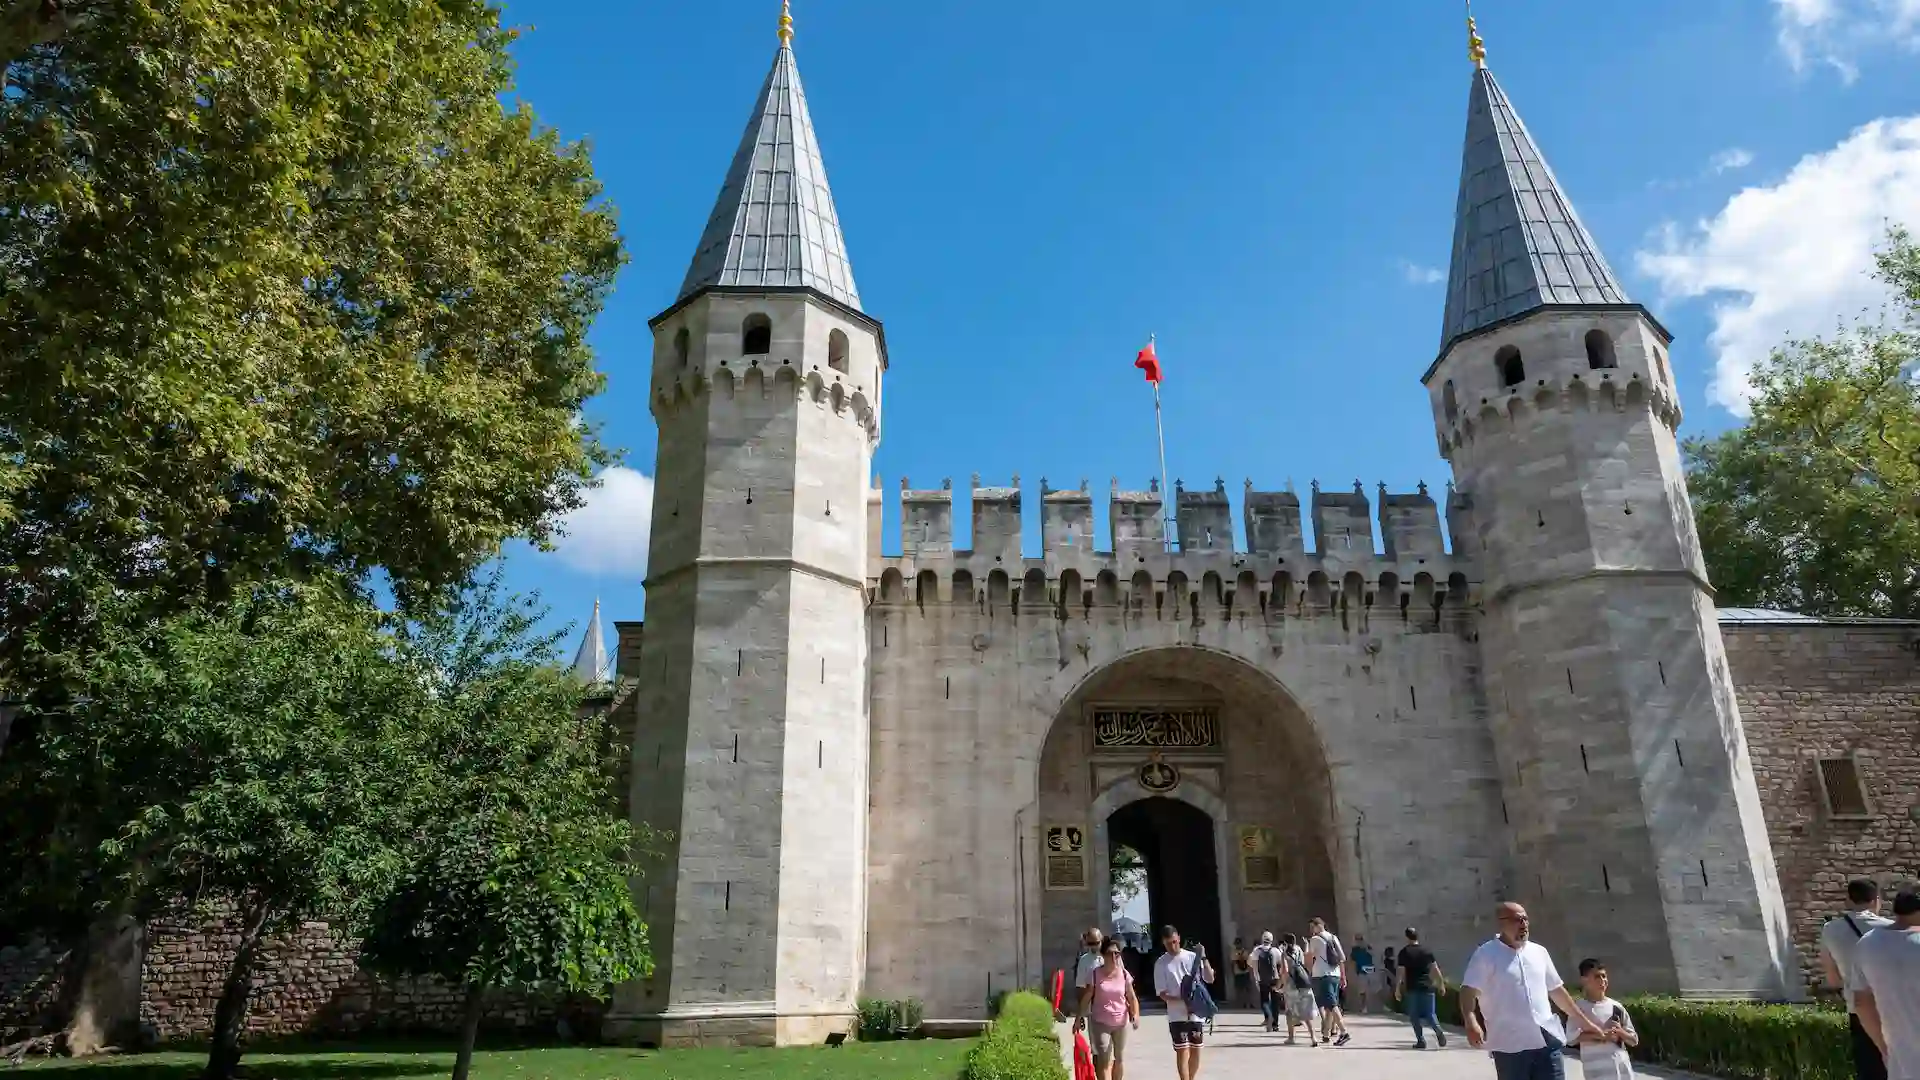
[1299, 991]
[1839, 940]
[1180, 979]
[1268, 989]
[1328, 961]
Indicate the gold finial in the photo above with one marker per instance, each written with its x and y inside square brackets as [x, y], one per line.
[786, 22]
[1476, 48]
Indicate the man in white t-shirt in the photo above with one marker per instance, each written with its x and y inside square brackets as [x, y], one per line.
[1327, 963]
[1511, 981]
[1089, 961]
[1887, 962]
[1169, 982]
[1838, 940]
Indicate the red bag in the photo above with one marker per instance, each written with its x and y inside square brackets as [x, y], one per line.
[1083, 1058]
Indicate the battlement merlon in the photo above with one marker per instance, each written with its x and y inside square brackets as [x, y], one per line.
[1343, 524]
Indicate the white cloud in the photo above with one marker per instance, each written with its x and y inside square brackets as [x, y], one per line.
[1832, 32]
[1732, 158]
[1421, 275]
[1794, 258]
[608, 535]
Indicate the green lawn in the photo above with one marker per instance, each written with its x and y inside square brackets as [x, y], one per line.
[923, 1060]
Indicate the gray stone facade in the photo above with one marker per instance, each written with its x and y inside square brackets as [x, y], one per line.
[903, 776]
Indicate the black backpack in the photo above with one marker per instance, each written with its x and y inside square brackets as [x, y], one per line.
[1297, 972]
[1266, 965]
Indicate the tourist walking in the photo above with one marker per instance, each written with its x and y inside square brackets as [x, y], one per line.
[1170, 975]
[1601, 1059]
[1328, 963]
[1838, 939]
[1301, 1008]
[1242, 976]
[1363, 972]
[1512, 983]
[1419, 982]
[1089, 961]
[1267, 962]
[1108, 1010]
[1887, 961]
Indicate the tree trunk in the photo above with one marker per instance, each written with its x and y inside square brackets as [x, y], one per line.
[469, 1030]
[230, 1016]
[105, 1004]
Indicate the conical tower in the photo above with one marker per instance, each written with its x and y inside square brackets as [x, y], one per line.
[752, 755]
[1626, 779]
[590, 662]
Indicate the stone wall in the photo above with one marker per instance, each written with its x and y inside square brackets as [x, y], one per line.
[307, 983]
[29, 982]
[1813, 690]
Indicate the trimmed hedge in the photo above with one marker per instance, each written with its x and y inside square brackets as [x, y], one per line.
[882, 1020]
[1743, 1041]
[1020, 1045]
[1732, 1039]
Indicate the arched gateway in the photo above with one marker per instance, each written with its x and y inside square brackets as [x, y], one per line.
[1207, 770]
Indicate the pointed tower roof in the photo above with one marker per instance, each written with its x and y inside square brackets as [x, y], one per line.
[590, 663]
[1518, 246]
[774, 224]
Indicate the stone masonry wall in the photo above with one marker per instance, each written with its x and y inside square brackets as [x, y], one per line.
[307, 983]
[1813, 690]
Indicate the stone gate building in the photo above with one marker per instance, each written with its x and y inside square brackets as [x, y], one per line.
[904, 775]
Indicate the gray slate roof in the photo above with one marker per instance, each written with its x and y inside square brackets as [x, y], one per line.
[775, 224]
[1517, 243]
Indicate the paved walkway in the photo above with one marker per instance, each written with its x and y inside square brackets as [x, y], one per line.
[1382, 1049]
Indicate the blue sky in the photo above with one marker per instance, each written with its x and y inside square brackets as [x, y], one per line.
[1028, 189]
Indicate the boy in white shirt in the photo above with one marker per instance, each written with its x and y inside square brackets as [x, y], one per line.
[1601, 1058]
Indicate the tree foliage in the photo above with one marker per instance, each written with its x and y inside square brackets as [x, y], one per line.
[1814, 505]
[284, 289]
[248, 761]
[518, 875]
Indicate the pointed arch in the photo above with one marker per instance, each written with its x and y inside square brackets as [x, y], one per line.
[1512, 369]
[756, 335]
[1600, 352]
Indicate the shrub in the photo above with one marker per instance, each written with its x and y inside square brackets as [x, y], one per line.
[881, 1020]
[1020, 1045]
[1743, 1041]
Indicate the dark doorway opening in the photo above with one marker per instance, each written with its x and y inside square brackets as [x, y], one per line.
[1175, 841]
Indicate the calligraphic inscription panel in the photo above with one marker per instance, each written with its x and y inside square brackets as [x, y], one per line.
[1158, 729]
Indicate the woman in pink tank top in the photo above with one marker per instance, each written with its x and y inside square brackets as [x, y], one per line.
[1108, 1010]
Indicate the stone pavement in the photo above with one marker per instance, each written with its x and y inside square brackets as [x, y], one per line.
[1382, 1049]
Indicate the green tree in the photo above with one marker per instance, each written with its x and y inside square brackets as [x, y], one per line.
[250, 762]
[1814, 504]
[284, 289]
[520, 873]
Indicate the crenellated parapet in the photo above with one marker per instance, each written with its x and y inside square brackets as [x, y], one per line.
[763, 385]
[1499, 415]
[1414, 575]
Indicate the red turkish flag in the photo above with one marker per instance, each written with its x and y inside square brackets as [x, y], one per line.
[1149, 362]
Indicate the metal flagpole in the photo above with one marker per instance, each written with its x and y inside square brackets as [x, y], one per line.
[1166, 483]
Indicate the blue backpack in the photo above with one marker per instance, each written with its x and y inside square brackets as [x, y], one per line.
[1193, 990]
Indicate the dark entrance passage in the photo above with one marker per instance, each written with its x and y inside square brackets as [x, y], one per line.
[1175, 841]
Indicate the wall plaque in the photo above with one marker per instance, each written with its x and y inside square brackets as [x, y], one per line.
[1065, 839]
[1066, 871]
[1260, 871]
[1160, 729]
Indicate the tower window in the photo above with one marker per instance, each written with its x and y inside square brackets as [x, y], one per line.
[1512, 371]
[1600, 350]
[680, 348]
[1660, 358]
[1451, 402]
[837, 350]
[756, 335]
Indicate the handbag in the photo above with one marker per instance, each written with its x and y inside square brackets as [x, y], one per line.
[1082, 1058]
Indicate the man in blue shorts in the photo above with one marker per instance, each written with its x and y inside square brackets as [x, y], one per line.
[1327, 962]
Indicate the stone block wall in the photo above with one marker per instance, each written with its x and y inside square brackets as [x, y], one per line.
[29, 982]
[1813, 690]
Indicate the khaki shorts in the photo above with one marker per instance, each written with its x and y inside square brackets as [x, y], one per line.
[1109, 1043]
